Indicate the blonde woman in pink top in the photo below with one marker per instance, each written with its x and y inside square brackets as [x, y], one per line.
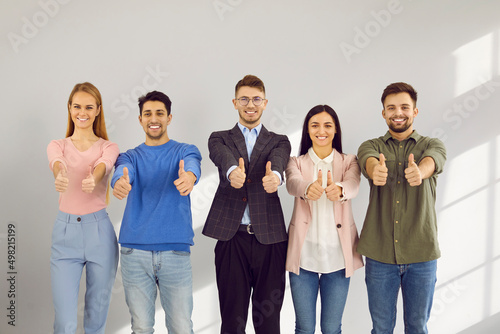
[83, 235]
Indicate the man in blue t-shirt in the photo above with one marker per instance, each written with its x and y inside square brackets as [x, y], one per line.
[156, 232]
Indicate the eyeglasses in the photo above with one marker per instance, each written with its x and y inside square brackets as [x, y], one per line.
[257, 101]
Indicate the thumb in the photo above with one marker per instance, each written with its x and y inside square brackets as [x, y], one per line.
[320, 177]
[125, 174]
[411, 159]
[242, 165]
[329, 179]
[381, 159]
[268, 168]
[90, 171]
[181, 167]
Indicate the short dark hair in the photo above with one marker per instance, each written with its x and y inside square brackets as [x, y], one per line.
[400, 87]
[306, 142]
[155, 96]
[250, 81]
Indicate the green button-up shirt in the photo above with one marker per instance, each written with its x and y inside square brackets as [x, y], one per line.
[400, 225]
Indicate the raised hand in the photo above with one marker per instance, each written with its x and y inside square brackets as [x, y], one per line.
[238, 176]
[88, 183]
[333, 191]
[412, 173]
[315, 190]
[122, 186]
[186, 180]
[62, 180]
[380, 172]
[270, 181]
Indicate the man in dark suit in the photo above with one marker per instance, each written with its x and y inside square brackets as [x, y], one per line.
[246, 216]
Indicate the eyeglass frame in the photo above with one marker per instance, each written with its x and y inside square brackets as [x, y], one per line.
[250, 99]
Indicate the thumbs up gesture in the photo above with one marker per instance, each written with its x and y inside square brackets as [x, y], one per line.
[412, 173]
[88, 183]
[333, 191]
[380, 172]
[238, 176]
[122, 186]
[62, 180]
[315, 189]
[186, 180]
[270, 181]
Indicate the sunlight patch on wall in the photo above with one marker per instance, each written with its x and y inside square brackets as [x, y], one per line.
[470, 172]
[474, 63]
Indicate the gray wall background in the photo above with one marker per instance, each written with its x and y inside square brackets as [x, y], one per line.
[307, 53]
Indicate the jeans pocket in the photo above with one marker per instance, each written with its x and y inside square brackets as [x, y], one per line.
[126, 250]
[180, 253]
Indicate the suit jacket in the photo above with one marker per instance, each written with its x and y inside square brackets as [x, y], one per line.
[266, 215]
[299, 174]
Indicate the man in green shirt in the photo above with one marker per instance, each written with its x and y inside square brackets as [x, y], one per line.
[399, 235]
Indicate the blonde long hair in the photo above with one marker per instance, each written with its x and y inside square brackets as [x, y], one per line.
[99, 125]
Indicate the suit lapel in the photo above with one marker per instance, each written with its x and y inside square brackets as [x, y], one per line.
[337, 166]
[239, 142]
[261, 142]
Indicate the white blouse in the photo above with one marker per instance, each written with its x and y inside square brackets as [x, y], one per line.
[322, 252]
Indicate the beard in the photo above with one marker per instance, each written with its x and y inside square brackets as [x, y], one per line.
[400, 128]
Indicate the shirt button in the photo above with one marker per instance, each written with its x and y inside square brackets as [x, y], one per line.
[244, 199]
[395, 241]
[248, 180]
[397, 222]
[397, 202]
[339, 225]
[400, 163]
[400, 146]
[78, 219]
[399, 182]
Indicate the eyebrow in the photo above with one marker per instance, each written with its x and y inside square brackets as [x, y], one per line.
[393, 105]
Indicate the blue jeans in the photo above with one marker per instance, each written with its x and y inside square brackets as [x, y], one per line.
[417, 282]
[333, 288]
[80, 241]
[170, 271]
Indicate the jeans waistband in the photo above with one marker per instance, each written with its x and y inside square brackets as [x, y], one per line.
[82, 219]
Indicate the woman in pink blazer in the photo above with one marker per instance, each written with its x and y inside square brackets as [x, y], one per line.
[322, 235]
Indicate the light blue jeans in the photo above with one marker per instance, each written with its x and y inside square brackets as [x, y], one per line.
[170, 271]
[417, 282]
[77, 242]
[332, 287]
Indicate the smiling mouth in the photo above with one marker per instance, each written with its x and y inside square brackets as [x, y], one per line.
[82, 119]
[321, 137]
[398, 120]
[154, 127]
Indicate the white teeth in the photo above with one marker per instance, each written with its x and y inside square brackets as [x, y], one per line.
[154, 126]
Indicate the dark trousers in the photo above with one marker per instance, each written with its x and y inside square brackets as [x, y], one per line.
[243, 264]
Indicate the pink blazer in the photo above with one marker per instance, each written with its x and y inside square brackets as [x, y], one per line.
[299, 174]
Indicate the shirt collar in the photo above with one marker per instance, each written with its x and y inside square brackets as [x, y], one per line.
[244, 128]
[316, 160]
[414, 135]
